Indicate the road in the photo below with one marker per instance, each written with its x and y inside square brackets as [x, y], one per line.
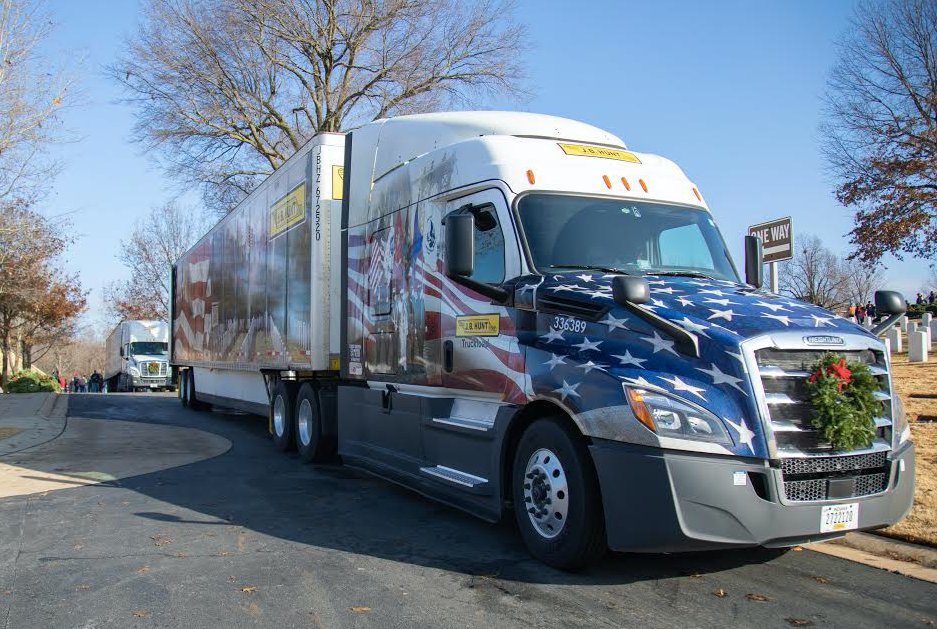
[256, 538]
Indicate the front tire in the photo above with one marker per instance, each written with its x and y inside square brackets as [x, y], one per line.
[283, 415]
[556, 496]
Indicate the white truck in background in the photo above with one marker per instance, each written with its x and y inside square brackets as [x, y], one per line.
[137, 357]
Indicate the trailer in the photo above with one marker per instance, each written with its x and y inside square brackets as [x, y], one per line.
[516, 313]
[136, 357]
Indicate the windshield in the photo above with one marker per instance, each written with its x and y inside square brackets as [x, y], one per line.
[634, 237]
[149, 348]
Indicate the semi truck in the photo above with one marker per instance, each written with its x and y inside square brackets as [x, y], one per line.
[136, 357]
[515, 313]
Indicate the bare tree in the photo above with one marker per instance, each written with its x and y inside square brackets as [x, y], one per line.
[881, 127]
[154, 246]
[228, 89]
[81, 353]
[31, 97]
[861, 281]
[815, 274]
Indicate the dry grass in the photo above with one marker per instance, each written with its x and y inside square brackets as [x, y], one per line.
[916, 383]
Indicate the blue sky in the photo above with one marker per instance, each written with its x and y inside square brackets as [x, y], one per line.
[731, 91]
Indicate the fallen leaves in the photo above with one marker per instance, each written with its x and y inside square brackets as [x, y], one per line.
[83, 586]
[143, 569]
[761, 598]
[797, 548]
[249, 588]
[78, 546]
[798, 622]
[160, 540]
[720, 593]
[140, 614]
[360, 609]
[224, 553]
[818, 579]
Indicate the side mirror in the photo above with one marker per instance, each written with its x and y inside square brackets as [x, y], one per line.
[460, 245]
[889, 302]
[121, 351]
[629, 289]
[754, 261]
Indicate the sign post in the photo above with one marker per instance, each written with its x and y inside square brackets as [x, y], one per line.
[777, 241]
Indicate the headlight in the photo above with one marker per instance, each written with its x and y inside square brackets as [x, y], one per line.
[134, 371]
[669, 416]
[900, 423]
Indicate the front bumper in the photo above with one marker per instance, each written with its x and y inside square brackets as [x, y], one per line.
[153, 383]
[668, 501]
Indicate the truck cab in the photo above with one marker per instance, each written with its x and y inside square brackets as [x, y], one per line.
[137, 357]
[490, 257]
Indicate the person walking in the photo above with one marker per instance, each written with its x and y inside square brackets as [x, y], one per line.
[932, 297]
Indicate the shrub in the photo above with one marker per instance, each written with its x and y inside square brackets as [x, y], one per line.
[31, 382]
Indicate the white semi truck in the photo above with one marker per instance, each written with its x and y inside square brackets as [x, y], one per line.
[515, 313]
[137, 357]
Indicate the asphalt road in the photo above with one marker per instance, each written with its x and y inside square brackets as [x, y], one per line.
[256, 538]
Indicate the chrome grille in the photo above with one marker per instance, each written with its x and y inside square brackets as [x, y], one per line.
[161, 369]
[784, 376]
[810, 469]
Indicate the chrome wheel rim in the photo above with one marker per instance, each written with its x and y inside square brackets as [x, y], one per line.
[279, 415]
[304, 419]
[546, 494]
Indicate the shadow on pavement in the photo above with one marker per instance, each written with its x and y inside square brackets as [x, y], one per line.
[255, 487]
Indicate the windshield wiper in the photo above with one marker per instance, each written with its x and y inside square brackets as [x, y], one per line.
[589, 267]
[682, 274]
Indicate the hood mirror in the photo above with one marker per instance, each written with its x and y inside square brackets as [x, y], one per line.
[889, 302]
[630, 289]
[754, 262]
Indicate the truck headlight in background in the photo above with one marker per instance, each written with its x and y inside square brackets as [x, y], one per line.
[134, 371]
[670, 416]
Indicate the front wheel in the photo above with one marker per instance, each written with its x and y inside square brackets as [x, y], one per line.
[556, 496]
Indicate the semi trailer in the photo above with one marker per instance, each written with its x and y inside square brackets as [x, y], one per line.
[516, 313]
[136, 357]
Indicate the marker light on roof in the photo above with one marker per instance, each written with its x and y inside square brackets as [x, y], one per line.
[696, 192]
[608, 183]
[627, 185]
[530, 176]
[643, 185]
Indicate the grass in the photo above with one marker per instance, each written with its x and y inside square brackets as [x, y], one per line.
[916, 383]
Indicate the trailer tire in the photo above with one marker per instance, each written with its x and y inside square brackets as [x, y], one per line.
[311, 443]
[194, 403]
[554, 476]
[184, 388]
[283, 415]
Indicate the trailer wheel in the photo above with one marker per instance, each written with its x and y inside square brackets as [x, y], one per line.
[313, 446]
[184, 388]
[283, 415]
[194, 403]
[556, 496]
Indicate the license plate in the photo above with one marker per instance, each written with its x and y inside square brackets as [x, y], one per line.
[835, 518]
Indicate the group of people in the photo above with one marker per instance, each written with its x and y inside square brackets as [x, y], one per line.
[921, 300]
[859, 312]
[79, 384]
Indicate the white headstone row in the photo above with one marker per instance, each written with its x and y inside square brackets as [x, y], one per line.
[918, 346]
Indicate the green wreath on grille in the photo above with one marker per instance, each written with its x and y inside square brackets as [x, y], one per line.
[843, 396]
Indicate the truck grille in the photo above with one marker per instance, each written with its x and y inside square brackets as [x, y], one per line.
[809, 465]
[154, 369]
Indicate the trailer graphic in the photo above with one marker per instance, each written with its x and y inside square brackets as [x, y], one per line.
[515, 313]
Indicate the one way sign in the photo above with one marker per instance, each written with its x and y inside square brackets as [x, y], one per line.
[777, 238]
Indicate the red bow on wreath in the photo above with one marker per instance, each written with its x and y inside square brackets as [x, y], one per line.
[838, 370]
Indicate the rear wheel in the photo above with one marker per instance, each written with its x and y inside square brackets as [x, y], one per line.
[283, 415]
[556, 496]
[311, 443]
[184, 388]
[194, 402]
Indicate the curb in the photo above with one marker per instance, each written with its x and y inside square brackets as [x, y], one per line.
[53, 411]
[877, 551]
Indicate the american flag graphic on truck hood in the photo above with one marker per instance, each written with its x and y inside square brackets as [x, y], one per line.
[584, 366]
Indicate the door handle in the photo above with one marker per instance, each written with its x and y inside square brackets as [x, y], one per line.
[447, 356]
